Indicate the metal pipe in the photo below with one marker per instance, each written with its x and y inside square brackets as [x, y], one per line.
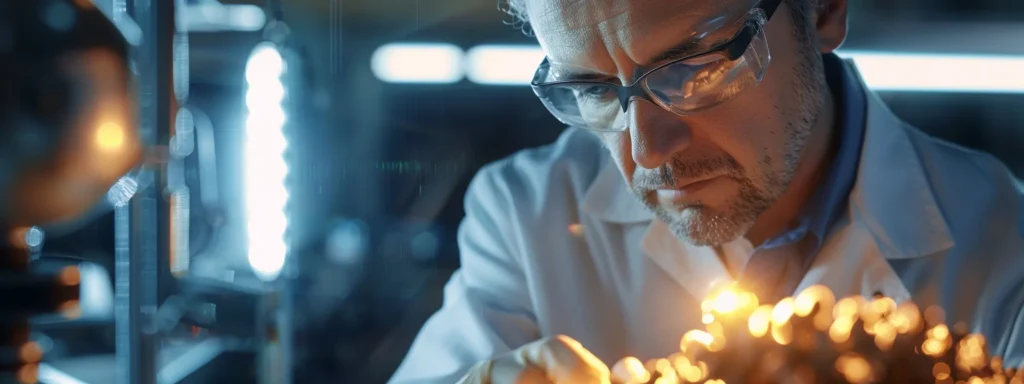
[141, 236]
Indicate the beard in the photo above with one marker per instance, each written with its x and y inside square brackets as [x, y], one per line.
[758, 188]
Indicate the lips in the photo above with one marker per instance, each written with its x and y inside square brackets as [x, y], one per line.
[685, 191]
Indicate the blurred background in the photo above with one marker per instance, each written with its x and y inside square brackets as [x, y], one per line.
[390, 108]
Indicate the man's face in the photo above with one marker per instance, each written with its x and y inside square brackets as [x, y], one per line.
[710, 174]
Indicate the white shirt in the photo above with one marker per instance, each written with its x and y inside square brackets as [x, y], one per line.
[927, 220]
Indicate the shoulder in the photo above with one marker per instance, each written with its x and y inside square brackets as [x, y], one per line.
[967, 172]
[975, 190]
[566, 167]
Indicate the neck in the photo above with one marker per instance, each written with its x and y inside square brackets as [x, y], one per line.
[815, 158]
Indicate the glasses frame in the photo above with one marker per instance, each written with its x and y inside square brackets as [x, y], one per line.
[732, 49]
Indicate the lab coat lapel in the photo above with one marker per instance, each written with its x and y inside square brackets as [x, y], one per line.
[892, 196]
[850, 263]
[697, 269]
[892, 214]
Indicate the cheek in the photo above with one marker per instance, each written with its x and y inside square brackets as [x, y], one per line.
[750, 128]
[620, 147]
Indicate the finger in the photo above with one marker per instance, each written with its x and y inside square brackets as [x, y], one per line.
[630, 371]
[479, 374]
[534, 375]
[509, 370]
[566, 361]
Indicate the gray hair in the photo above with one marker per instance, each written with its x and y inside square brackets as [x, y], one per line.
[800, 12]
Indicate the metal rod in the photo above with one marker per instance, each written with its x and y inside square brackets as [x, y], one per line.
[141, 236]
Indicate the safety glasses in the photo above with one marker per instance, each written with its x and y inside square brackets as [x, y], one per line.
[682, 86]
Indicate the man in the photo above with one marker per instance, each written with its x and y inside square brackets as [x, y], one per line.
[697, 158]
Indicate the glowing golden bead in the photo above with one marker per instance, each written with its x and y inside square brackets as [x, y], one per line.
[840, 330]
[941, 371]
[782, 312]
[759, 321]
[847, 307]
[854, 368]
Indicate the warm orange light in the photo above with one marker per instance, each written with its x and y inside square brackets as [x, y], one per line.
[941, 371]
[782, 311]
[707, 318]
[110, 136]
[70, 276]
[696, 336]
[818, 295]
[70, 309]
[635, 370]
[933, 347]
[576, 229]
[680, 363]
[28, 374]
[782, 333]
[840, 330]
[758, 321]
[693, 374]
[939, 332]
[885, 335]
[665, 370]
[726, 300]
[847, 307]
[854, 368]
[883, 305]
[30, 352]
[971, 354]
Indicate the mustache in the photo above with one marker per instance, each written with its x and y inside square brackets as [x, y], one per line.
[669, 174]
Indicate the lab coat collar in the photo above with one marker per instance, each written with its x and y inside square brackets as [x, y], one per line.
[610, 200]
[891, 197]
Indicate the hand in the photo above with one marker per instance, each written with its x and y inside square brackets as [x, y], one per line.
[554, 360]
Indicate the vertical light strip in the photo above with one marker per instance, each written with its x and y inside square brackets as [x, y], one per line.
[265, 167]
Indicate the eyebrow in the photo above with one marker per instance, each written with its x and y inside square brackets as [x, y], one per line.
[683, 49]
[677, 51]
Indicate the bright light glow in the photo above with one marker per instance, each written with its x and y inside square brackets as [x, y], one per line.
[265, 167]
[940, 72]
[502, 64]
[109, 136]
[52, 375]
[417, 63]
[882, 71]
[214, 16]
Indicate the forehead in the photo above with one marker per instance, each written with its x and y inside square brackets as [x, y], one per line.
[598, 33]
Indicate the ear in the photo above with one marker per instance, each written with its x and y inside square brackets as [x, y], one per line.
[830, 19]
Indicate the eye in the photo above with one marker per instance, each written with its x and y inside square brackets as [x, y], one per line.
[595, 91]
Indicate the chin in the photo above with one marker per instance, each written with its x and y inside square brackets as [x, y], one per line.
[703, 227]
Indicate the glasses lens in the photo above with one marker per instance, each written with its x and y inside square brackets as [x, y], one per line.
[708, 81]
[587, 105]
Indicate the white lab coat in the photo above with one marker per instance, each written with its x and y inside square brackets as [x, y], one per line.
[926, 220]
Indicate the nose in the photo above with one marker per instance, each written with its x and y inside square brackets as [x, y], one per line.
[656, 134]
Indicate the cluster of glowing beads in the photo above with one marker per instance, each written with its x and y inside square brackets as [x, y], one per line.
[815, 338]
